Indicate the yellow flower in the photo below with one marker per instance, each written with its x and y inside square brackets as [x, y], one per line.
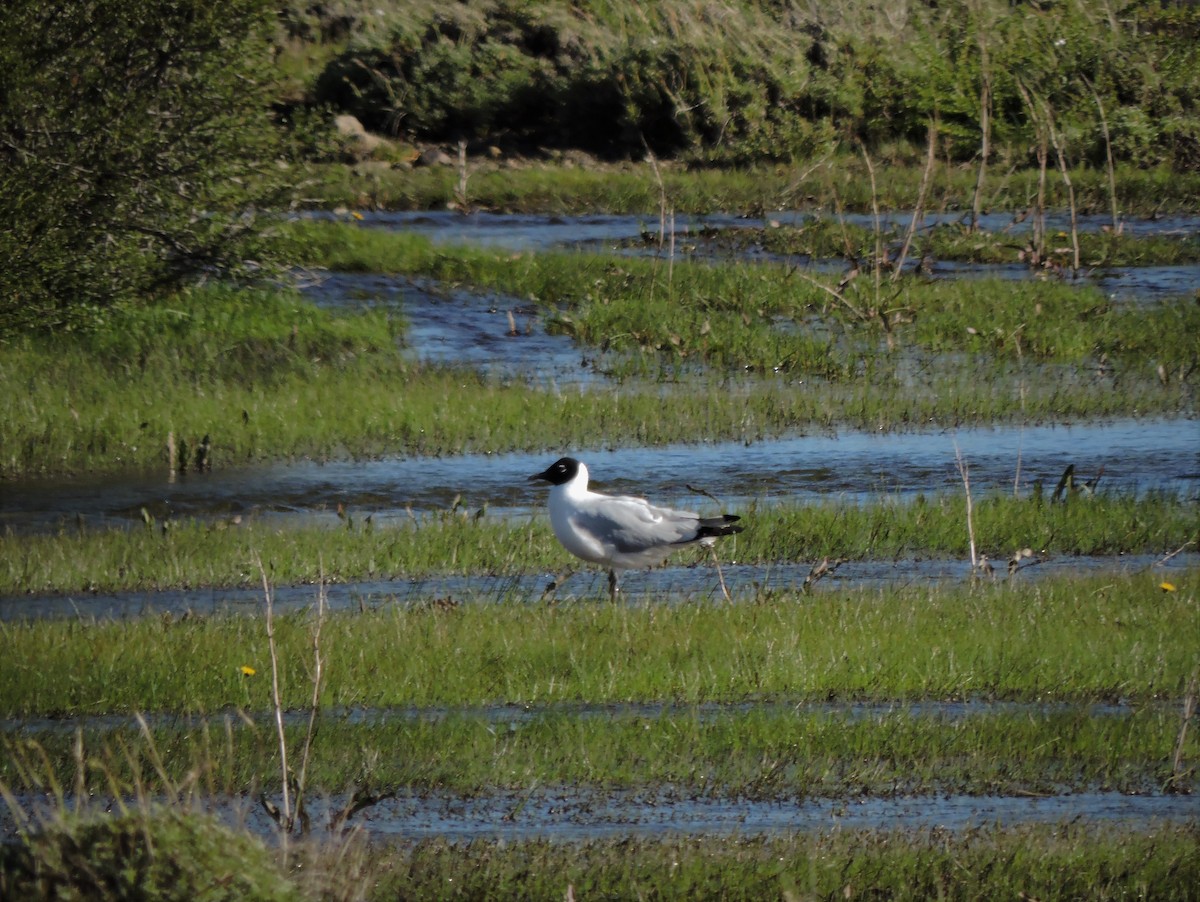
[357, 215]
[248, 671]
[1167, 587]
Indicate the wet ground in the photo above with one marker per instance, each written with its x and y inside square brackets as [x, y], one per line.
[1128, 456]
[665, 585]
[687, 235]
[574, 814]
[502, 336]
[567, 814]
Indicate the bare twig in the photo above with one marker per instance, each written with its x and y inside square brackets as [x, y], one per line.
[1060, 153]
[1037, 251]
[985, 128]
[877, 267]
[284, 818]
[919, 209]
[966, 479]
[1175, 784]
[1112, 176]
[317, 680]
[1181, 548]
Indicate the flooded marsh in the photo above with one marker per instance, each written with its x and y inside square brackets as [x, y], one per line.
[900, 689]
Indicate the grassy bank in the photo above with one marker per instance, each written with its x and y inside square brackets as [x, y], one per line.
[1112, 636]
[696, 701]
[1045, 862]
[822, 184]
[185, 554]
[266, 375]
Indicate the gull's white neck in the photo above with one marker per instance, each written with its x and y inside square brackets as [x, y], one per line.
[576, 488]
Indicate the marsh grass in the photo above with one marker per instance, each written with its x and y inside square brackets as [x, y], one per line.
[1069, 640]
[183, 554]
[828, 238]
[766, 318]
[1111, 636]
[1063, 860]
[758, 190]
[66, 414]
[1044, 862]
[268, 376]
[739, 753]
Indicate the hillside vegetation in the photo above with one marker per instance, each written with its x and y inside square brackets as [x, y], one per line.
[729, 82]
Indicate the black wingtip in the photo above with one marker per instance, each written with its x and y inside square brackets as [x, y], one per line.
[719, 526]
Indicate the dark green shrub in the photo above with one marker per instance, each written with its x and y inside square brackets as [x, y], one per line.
[134, 144]
[164, 856]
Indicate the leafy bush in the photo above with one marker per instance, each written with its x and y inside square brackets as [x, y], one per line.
[166, 856]
[751, 80]
[134, 146]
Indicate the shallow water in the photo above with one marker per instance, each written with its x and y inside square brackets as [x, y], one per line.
[491, 333]
[663, 585]
[569, 814]
[531, 231]
[645, 235]
[1134, 456]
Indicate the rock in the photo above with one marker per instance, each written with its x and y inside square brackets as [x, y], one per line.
[359, 142]
[433, 156]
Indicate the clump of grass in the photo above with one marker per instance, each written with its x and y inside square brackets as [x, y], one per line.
[828, 238]
[165, 854]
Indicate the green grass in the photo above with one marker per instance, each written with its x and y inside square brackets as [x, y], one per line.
[1108, 636]
[196, 857]
[829, 238]
[183, 554]
[1045, 862]
[776, 754]
[269, 376]
[758, 190]
[767, 319]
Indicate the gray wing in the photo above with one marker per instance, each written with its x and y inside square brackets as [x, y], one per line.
[632, 525]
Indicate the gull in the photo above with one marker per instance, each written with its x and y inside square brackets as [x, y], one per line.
[622, 532]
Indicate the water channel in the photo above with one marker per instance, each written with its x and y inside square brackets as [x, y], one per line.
[461, 328]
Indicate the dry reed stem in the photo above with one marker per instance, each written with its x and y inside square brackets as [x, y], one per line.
[922, 192]
[966, 479]
[285, 821]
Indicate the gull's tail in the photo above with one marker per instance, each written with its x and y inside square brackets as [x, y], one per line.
[711, 527]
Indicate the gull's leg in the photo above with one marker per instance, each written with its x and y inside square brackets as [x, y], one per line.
[720, 576]
[612, 585]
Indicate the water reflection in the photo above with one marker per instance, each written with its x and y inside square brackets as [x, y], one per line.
[1131, 456]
